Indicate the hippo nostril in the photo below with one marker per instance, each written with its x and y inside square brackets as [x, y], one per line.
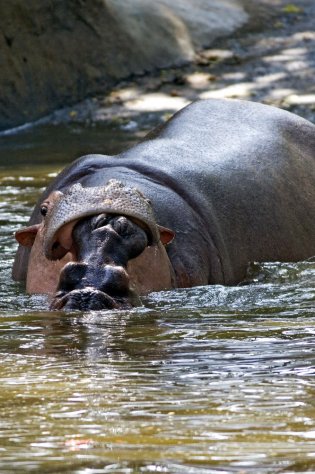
[100, 221]
[85, 287]
[115, 281]
[71, 276]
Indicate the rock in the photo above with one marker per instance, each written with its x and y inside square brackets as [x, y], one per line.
[55, 53]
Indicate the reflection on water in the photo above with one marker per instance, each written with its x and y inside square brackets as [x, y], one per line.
[202, 380]
[57, 145]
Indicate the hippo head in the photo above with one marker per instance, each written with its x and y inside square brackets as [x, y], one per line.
[100, 247]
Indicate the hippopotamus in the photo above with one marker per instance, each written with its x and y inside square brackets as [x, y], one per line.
[221, 184]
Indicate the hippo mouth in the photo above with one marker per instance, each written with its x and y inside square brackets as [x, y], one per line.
[88, 299]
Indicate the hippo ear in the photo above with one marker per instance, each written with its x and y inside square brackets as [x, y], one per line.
[166, 235]
[27, 235]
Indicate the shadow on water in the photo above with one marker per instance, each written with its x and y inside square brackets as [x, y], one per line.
[202, 380]
[57, 145]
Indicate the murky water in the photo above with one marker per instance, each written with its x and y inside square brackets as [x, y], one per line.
[205, 380]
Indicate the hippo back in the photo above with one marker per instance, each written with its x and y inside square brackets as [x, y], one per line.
[231, 177]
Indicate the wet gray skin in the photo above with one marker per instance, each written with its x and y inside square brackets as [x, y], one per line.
[98, 280]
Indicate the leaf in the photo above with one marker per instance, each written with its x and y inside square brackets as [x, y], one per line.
[292, 9]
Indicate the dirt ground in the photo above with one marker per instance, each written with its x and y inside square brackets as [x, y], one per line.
[271, 60]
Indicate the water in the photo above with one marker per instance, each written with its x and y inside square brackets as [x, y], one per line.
[204, 380]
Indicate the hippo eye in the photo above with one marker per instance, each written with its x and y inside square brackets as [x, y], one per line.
[43, 210]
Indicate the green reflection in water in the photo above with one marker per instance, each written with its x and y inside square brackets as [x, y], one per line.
[204, 380]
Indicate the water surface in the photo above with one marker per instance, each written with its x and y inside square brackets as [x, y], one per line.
[204, 380]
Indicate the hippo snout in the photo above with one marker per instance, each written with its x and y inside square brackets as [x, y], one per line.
[87, 299]
[84, 287]
[98, 279]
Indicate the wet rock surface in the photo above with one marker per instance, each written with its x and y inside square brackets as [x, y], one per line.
[270, 60]
[56, 53]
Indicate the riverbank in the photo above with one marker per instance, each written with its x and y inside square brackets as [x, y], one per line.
[270, 61]
[55, 54]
